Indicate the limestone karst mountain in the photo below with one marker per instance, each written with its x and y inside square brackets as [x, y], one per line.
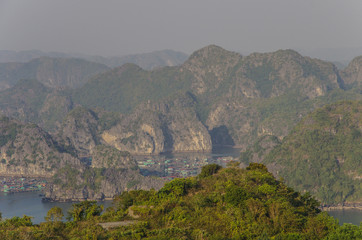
[322, 154]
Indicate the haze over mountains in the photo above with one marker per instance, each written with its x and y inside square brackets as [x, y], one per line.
[145, 60]
[55, 69]
[215, 98]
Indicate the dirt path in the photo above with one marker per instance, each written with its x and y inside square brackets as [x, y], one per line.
[109, 225]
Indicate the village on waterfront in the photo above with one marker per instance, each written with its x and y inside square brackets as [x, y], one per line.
[19, 184]
[167, 166]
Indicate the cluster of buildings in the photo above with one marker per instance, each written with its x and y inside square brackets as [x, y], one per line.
[14, 184]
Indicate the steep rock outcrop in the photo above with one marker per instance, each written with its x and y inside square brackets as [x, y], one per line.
[54, 109]
[79, 131]
[27, 150]
[210, 67]
[110, 173]
[161, 127]
[110, 157]
[352, 74]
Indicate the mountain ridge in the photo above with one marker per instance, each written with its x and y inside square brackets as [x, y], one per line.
[240, 96]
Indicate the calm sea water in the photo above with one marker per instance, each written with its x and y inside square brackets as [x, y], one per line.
[30, 204]
[347, 216]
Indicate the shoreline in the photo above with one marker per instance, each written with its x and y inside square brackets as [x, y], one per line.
[191, 151]
[351, 206]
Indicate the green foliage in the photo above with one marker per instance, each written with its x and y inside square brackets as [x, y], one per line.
[106, 120]
[84, 211]
[346, 231]
[177, 187]
[209, 170]
[230, 204]
[257, 166]
[68, 176]
[261, 76]
[122, 89]
[17, 222]
[235, 195]
[55, 214]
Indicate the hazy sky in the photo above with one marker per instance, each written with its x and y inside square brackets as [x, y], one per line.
[122, 27]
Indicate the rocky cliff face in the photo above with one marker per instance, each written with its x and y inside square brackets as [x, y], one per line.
[210, 67]
[110, 157]
[161, 127]
[110, 173]
[113, 182]
[27, 150]
[79, 131]
[54, 109]
[236, 107]
[352, 74]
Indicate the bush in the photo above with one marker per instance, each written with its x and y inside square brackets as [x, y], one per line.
[84, 211]
[257, 166]
[209, 170]
[235, 195]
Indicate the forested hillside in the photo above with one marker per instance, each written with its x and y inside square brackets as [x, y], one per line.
[322, 154]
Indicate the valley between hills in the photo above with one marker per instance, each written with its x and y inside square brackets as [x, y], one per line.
[299, 116]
